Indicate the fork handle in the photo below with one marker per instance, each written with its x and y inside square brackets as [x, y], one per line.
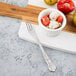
[51, 66]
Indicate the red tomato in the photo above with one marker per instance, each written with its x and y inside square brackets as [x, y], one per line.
[60, 19]
[45, 20]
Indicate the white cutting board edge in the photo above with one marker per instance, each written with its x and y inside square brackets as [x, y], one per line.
[64, 42]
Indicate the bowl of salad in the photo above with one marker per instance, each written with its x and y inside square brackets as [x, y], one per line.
[51, 21]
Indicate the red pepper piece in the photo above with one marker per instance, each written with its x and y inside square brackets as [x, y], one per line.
[66, 6]
[45, 20]
[60, 19]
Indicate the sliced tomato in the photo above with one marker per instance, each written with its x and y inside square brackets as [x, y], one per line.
[60, 19]
[45, 20]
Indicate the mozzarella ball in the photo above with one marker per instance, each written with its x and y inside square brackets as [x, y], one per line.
[54, 25]
[53, 15]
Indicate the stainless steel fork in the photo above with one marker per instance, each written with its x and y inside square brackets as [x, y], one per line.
[32, 32]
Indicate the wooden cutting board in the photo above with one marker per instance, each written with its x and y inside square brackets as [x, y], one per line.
[31, 14]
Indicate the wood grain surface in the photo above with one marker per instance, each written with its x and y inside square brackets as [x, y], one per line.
[31, 14]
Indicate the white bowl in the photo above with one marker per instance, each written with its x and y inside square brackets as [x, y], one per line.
[47, 31]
